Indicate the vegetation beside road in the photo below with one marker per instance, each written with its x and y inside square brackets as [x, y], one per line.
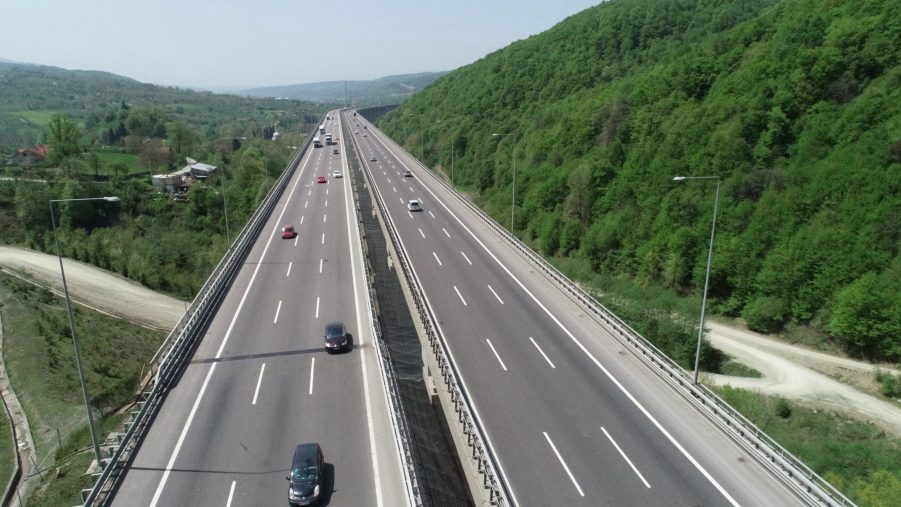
[858, 458]
[40, 360]
[796, 105]
[7, 451]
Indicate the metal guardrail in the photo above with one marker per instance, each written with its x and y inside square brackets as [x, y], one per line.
[780, 462]
[171, 358]
[482, 453]
[397, 413]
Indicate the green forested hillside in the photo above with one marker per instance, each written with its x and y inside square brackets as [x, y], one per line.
[795, 104]
[110, 107]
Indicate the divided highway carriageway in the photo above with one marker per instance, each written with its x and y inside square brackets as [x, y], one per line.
[572, 417]
[261, 383]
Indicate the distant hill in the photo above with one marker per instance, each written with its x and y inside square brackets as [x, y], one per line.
[794, 104]
[30, 94]
[389, 89]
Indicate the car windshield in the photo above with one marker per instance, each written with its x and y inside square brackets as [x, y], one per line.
[334, 332]
[304, 473]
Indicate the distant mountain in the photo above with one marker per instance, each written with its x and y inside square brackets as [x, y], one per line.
[110, 106]
[385, 89]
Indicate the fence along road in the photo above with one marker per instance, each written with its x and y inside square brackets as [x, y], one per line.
[572, 417]
[260, 382]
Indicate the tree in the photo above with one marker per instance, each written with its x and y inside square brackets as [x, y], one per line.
[581, 194]
[64, 135]
[867, 316]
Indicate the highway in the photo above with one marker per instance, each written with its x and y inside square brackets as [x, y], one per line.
[574, 418]
[260, 382]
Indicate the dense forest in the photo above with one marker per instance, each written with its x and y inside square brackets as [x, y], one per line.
[794, 104]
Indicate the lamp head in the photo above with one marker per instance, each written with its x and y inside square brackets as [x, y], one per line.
[679, 178]
[111, 199]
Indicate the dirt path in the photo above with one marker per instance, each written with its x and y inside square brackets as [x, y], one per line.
[97, 288]
[794, 372]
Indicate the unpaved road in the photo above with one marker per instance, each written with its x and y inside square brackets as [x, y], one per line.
[96, 287]
[794, 372]
[788, 370]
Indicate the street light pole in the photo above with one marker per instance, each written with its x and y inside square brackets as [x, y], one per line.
[228, 234]
[513, 197]
[78, 362]
[716, 199]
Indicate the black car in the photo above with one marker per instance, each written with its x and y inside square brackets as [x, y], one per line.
[306, 475]
[336, 338]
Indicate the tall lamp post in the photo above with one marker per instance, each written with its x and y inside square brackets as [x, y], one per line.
[228, 234]
[716, 198]
[78, 363]
[513, 196]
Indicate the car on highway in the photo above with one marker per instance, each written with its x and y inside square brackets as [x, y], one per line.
[364, 135]
[337, 174]
[334, 151]
[407, 173]
[372, 158]
[321, 179]
[356, 131]
[306, 477]
[335, 337]
[413, 205]
[288, 232]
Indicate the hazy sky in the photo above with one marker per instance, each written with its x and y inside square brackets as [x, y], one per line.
[216, 44]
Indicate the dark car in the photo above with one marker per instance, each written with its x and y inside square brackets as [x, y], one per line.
[306, 475]
[335, 337]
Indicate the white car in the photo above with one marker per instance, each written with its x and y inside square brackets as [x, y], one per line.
[372, 158]
[337, 174]
[413, 205]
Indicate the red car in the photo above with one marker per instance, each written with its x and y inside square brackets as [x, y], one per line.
[321, 179]
[288, 232]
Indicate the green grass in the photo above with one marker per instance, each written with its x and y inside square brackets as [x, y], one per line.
[7, 452]
[73, 460]
[108, 158]
[40, 360]
[736, 369]
[858, 458]
[41, 118]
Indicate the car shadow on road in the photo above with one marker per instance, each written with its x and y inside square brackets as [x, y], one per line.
[242, 357]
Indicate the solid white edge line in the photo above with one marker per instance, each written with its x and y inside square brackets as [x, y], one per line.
[312, 370]
[460, 296]
[259, 381]
[366, 395]
[290, 263]
[625, 458]
[495, 294]
[231, 494]
[228, 332]
[437, 259]
[591, 356]
[317, 307]
[277, 310]
[559, 457]
[542, 353]
[498, 356]
[467, 258]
